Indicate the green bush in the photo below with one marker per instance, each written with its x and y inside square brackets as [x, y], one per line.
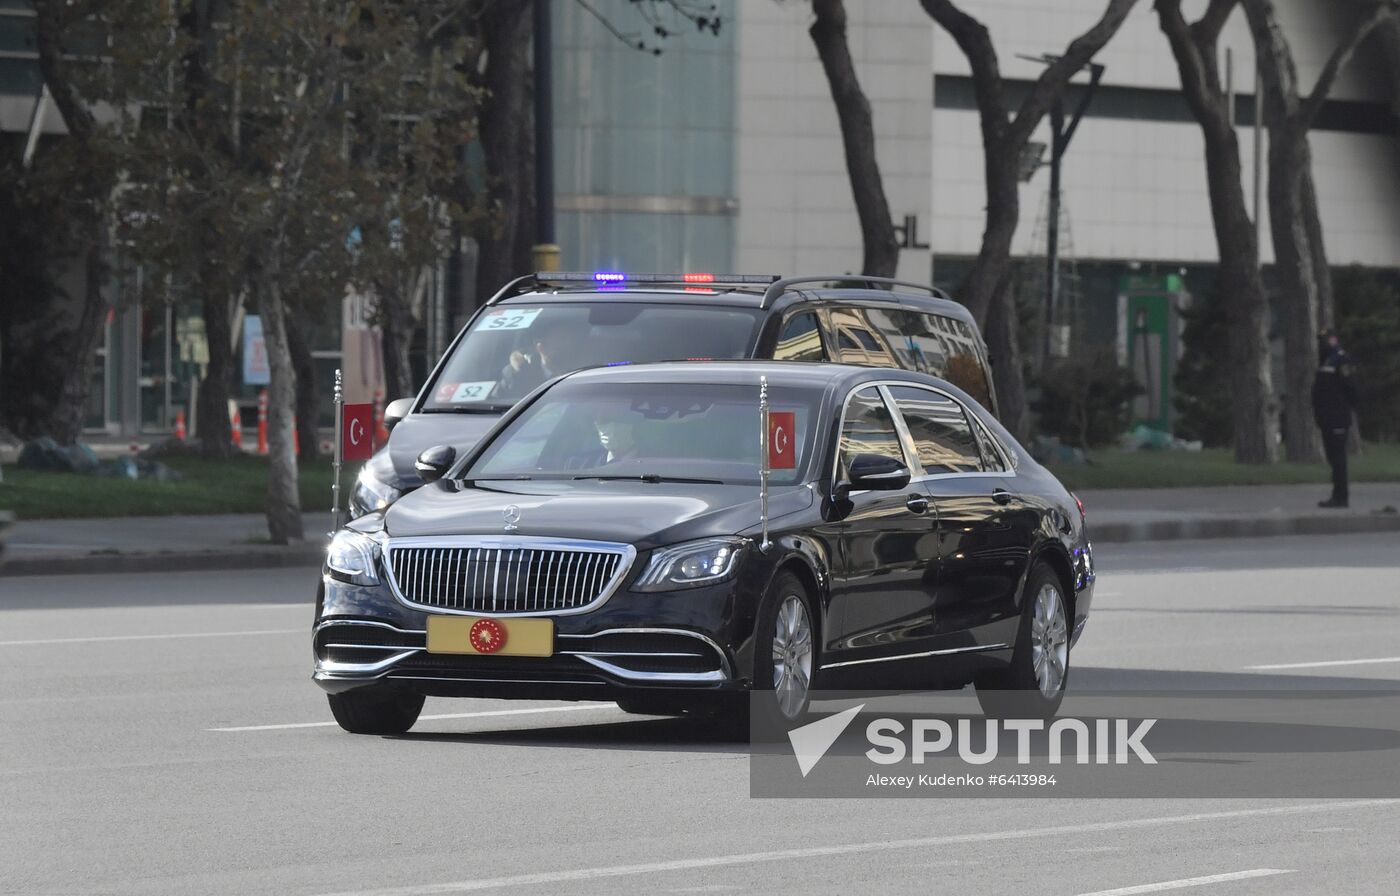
[1086, 401]
[1203, 410]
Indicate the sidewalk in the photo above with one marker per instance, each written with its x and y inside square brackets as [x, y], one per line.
[171, 543]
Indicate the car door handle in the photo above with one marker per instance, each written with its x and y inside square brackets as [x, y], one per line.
[1001, 496]
[917, 504]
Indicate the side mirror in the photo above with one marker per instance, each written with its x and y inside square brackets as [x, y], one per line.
[434, 462]
[873, 472]
[397, 410]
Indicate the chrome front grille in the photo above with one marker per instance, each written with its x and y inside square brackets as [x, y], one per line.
[507, 577]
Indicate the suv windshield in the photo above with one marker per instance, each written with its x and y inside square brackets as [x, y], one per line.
[511, 349]
[650, 431]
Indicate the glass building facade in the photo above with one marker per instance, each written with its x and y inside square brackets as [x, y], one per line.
[644, 144]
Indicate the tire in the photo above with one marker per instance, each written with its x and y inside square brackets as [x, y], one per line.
[376, 709]
[785, 656]
[1034, 683]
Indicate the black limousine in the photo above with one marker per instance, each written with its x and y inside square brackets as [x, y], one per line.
[610, 539]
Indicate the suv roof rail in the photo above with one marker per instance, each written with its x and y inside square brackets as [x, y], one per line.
[618, 278]
[782, 286]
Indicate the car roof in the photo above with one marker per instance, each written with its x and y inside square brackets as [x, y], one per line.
[745, 297]
[780, 373]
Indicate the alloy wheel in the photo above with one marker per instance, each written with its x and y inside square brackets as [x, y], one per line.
[792, 656]
[1049, 640]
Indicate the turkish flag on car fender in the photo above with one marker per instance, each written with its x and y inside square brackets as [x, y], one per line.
[782, 433]
[357, 431]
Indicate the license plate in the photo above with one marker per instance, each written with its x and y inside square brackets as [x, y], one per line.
[486, 636]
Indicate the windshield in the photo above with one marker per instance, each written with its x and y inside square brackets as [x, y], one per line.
[651, 431]
[511, 349]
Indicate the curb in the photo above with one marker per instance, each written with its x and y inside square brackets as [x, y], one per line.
[310, 556]
[1206, 528]
[194, 561]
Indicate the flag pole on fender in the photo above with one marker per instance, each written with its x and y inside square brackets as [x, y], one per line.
[335, 464]
[764, 463]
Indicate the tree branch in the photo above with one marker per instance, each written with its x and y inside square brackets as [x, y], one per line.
[1197, 79]
[976, 43]
[1379, 12]
[1052, 81]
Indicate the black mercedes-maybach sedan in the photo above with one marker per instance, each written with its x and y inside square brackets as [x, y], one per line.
[612, 538]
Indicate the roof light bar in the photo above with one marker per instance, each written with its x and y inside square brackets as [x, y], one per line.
[622, 277]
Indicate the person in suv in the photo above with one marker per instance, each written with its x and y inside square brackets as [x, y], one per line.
[547, 324]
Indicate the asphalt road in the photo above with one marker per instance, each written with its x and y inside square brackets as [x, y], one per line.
[159, 734]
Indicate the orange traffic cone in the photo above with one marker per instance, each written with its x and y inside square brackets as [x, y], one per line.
[262, 422]
[235, 419]
[180, 424]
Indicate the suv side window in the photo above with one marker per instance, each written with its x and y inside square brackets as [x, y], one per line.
[941, 432]
[857, 341]
[801, 339]
[868, 428]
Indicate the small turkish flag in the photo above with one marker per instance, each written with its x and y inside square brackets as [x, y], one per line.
[357, 432]
[782, 450]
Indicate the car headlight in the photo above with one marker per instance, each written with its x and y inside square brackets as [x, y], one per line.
[352, 557]
[372, 493]
[691, 564]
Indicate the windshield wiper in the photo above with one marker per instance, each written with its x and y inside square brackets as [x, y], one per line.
[652, 477]
[471, 409]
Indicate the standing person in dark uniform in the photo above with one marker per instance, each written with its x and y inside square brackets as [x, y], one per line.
[1333, 397]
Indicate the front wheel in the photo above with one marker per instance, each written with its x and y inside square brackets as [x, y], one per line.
[1033, 685]
[785, 653]
[377, 709]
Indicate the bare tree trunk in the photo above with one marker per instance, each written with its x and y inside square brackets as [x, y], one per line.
[308, 403]
[506, 122]
[396, 324]
[1005, 349]
[1322, 269]
[89, 191]
[1293, 260]
[828, 32]
[283, 511]
[1251, 386]
[66, 423]
[215, 430]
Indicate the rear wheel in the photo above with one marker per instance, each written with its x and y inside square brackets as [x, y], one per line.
[377, 709]
[1034, 684]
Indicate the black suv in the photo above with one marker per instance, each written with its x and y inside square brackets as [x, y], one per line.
[547, 324]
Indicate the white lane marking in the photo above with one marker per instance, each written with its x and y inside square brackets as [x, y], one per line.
[778, 855]
[448, 715]
[1190, 882]
[1384, 659]
[269, 631]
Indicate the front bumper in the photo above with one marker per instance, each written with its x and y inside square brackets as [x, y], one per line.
[689, 641]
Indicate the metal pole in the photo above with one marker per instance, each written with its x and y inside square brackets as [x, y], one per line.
[335, 464]
[1230, 85]
[1258, 156]
[545, 251]
[1052, 234]
[763, 461]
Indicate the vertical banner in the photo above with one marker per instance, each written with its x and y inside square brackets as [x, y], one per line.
[255, 367]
